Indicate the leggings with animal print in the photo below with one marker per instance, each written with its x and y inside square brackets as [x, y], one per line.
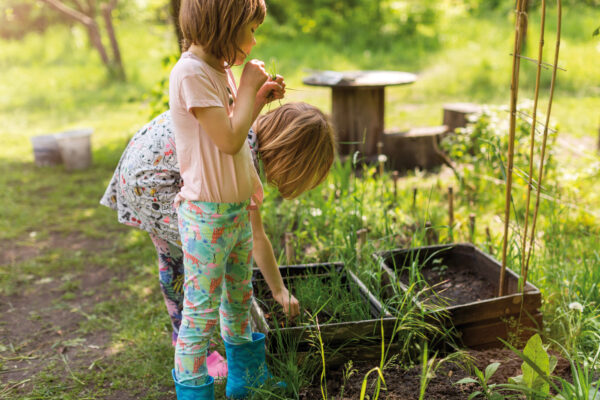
[217, 256]
[170, 276]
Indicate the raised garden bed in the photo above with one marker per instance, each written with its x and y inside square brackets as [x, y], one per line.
[349, 316]
[405, 383]
[459, 286]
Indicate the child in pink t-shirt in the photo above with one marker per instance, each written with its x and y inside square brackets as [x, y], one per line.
[211, 119]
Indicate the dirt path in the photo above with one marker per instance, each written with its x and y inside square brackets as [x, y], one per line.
[43, 325]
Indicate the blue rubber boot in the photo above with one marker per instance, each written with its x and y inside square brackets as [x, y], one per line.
[247, 366]
[187, 392]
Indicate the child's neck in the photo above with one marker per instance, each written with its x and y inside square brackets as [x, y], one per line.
[208, 58]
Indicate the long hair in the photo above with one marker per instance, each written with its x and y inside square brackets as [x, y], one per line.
[296, 145]
[215, 24]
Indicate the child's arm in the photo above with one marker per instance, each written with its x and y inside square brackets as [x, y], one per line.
[229, 134]
[271, 90]
[265, 259]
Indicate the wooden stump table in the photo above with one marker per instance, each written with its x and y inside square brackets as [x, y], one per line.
[358, 104]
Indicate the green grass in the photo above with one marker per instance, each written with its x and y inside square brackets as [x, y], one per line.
[55, 82]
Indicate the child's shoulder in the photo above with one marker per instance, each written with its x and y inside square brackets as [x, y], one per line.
[190, 65]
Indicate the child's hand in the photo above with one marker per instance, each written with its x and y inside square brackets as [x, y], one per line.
[290, 304]
[254, 75]
[273, 89]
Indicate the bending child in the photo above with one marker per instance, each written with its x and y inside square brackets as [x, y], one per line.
[295, 145]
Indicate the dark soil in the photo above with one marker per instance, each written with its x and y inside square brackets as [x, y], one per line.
[455, 285]
[404, 384]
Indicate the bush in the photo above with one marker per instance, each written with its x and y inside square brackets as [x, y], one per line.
[360, 22]
[482, 147]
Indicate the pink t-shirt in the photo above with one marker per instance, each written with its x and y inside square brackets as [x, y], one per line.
[208, 174]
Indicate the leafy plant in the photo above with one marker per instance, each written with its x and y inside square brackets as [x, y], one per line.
[535, 379]
[488, 390]
[479, 147]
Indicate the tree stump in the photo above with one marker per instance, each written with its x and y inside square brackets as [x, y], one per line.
[456, 114]
[417, 148]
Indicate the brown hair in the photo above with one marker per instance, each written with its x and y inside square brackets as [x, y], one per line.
[296, 144]
[215, 24]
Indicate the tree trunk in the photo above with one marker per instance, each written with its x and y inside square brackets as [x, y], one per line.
[175, 6]
[85, 14]
[117, 64]
[96, 40]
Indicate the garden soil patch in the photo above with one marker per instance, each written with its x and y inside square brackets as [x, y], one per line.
[457, 285]
[404, 384]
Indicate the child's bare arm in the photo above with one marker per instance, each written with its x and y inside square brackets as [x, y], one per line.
[265, 259]
[273, 89]
[229, 134]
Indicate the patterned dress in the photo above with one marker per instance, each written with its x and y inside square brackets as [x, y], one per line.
[142, 191]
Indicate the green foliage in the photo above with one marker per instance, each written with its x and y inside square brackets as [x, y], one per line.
[536, 379]
[488, 390]
[482, 145]
[158, 98]
[582, 385]
[367, 22]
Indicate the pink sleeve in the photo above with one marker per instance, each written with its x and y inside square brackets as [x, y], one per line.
[197, 91]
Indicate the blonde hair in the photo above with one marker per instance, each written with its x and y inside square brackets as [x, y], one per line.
[296, 145]
[215, 24]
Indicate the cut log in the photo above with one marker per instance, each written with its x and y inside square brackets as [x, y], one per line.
[456, 114]
[417, 148]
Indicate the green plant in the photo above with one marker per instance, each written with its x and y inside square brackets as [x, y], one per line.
[332, 296]
[535, 379]
[363, 388]
[488, 390]
[479, 146]
[347, 374]
[583, 386]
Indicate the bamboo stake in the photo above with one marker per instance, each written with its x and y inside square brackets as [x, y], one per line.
[532, 143]
[472, 228]
[414, 203]
[545, 140]
[395, 178]
[489, 240]
[514, 91]
[289, 248]
[451, 211]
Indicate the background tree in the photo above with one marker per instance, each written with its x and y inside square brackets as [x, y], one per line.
[87, 12]
[175, 6]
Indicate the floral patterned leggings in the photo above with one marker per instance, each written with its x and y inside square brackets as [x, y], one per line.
[170, 276]
[217, 256]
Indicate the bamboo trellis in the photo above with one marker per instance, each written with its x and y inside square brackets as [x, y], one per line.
[527, 246]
